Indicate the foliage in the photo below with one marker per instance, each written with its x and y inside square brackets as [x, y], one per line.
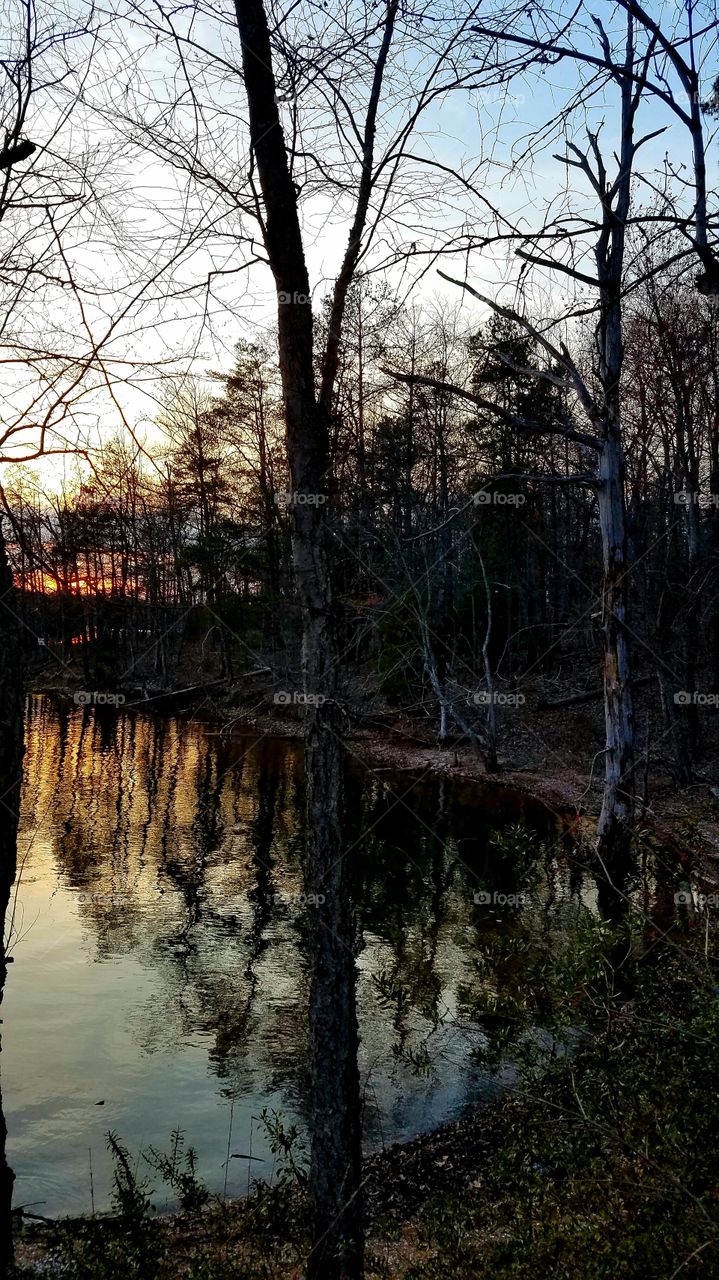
[608, 1169]
[179, 1171]
[237, 1242]
[126, 1244]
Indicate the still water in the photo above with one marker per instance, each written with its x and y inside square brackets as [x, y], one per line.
[159, 942]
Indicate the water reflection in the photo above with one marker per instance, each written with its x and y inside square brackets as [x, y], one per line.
[162, 974]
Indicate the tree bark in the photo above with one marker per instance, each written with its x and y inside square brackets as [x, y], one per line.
[7, 1177]
[617, 812]
[618, 799]
[335, 1165]
[11, 753]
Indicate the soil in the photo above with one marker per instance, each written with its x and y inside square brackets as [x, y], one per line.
[398, 1181]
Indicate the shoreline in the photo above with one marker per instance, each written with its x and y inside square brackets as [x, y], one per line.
[406, 1177]
[681, 820]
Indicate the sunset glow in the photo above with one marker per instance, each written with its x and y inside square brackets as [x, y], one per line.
[79, 585]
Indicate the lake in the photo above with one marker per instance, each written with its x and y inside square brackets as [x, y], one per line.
[159, 942]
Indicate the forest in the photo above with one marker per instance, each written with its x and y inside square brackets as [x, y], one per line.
[458, 543]
[359, 651]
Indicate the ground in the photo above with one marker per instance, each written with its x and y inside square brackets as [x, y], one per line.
[407, 1185]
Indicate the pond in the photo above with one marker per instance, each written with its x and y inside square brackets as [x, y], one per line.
[159, 941]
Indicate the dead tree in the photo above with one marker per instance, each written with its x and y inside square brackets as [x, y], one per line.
[601, 405]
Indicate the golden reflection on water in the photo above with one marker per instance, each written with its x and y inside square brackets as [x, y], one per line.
[159, 946]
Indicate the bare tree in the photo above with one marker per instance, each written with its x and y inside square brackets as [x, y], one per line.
[285, 161]
[336, 1133]
[556, 248]
[44, 197]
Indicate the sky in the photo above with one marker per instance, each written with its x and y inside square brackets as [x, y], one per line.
[166, 272]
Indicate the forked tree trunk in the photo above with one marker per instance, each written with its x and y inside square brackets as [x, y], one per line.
[335, 1166]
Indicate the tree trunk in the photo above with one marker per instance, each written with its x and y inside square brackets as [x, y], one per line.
[335, 1165]
[7, 1177]
[617, 813]
[618, 801]
[11, 725]
[11, 752]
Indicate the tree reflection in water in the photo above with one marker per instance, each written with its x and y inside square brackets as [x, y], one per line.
[167, 874]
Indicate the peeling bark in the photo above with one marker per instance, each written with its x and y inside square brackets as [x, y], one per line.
[618, 799]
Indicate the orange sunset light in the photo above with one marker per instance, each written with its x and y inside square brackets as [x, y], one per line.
[77, 585]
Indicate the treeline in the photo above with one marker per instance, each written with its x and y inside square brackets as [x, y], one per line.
[466, 561]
